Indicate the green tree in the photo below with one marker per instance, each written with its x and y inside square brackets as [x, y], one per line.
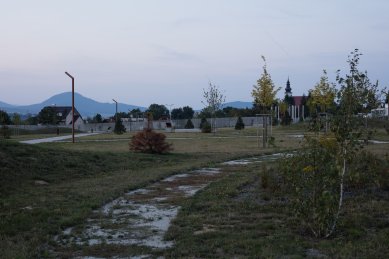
[158, 111]
[304, 102]
[122, 115]
[354, 93]
[316, 176]
[310, 178]
[264, 91]
[185, 112]
[188, 112]
[119, 127]
[4, 118]
[322, 96]
[97, 118]
[16, 120]
[48, 116]
[32, 120]
[205, 113]
[214, 99]
[286, 119]
[135, 112]
[288, 100]
[177, 114]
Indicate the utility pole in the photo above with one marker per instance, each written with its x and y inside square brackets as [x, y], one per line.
[72, 104]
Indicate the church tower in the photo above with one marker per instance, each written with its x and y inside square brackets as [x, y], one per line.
[288, 89]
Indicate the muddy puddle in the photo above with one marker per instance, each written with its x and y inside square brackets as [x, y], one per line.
[140, 217]
[260, 159]
[143, 216]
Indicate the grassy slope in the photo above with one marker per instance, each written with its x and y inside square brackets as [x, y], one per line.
[77, 183]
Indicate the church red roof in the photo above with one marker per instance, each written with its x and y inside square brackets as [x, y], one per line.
[297, 100]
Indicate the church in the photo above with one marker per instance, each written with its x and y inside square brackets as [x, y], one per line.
[295, 103]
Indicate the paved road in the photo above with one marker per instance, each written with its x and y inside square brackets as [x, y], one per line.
[53, 139]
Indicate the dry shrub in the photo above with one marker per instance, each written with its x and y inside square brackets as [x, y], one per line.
[149, 141]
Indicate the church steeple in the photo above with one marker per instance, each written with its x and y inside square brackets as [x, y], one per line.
[288, 89]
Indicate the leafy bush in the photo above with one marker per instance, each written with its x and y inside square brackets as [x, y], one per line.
[149, 141]
[189, 124]
[239, 124]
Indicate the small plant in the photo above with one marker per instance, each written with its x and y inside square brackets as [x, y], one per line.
[386, 126]
[239, 124]
[272, 142]
[265, 178]
[189, 124]
[149, 141]
[269, 179]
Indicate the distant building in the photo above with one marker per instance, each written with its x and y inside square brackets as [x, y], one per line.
[64, 114]
[288, 89]
[296, 106]
[380, 112]
[295, 100]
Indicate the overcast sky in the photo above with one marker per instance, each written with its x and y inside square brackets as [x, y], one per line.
[166, 51]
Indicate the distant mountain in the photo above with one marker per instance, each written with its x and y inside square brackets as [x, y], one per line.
[89, 107]
[6, 105]
[86, 106]
[239, 105]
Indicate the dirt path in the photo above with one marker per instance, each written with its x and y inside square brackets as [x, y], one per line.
[60, 138]
[142, 217]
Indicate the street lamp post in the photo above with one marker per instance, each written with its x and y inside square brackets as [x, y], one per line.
[116, 114]
[72, 104]
[170, 111]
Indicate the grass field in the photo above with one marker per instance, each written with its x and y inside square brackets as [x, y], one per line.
[238, 218]
[48, 187]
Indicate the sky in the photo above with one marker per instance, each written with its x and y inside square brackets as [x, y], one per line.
[167, 51]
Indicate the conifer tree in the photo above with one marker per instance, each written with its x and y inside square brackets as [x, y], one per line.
[239, 124]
